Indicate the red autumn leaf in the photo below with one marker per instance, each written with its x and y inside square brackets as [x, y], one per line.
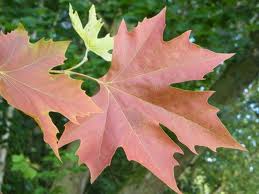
[26, 84]
[135, 96]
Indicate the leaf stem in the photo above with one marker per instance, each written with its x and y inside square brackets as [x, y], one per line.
[68, 72]
[81, 62]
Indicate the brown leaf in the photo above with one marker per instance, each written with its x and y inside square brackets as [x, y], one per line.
[135, 96]
[26, 84]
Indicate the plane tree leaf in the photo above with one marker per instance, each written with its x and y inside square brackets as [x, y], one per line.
[26, 84]
[136, 97]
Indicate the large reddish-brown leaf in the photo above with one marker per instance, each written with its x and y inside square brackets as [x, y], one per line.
[135, 96]
[26, 84]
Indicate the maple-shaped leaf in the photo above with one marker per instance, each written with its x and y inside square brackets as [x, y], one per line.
[136, 97]
[89, 33]
[26, 84]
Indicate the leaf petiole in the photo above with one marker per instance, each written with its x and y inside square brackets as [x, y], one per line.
[81, 62]
[68, 72]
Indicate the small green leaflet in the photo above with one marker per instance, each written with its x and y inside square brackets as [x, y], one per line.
[89, 34]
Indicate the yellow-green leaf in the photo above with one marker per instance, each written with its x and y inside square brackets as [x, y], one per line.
[89, 33]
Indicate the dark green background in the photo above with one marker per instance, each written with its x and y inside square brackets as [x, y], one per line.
[223, 26]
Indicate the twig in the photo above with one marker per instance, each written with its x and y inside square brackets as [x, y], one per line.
[76, 73]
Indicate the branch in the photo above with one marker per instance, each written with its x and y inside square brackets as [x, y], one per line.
[4, 147]
[73, 182]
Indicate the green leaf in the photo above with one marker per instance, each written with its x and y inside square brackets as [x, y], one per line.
[89, 33]
[22, 164]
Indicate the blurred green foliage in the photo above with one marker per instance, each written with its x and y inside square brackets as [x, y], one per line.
[223, 26]
[24, 166]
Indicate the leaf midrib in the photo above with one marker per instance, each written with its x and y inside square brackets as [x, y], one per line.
[35, 89]
[137, 52]
[207, 129]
